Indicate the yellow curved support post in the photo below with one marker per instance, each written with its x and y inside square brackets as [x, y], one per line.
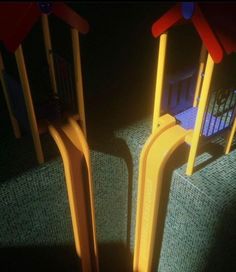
[165, 122]
[159, 80]
[230, 138]
[152, 205]
[73, 148]
[200, 114]
[202, 61]
[78, 78]
[14, 122]
[48, 48]
[29, 103]
[86, 153]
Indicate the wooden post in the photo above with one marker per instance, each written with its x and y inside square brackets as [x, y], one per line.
[14, 122]
[48, 48]
[159, 80]
[78, 78]
[29, 103]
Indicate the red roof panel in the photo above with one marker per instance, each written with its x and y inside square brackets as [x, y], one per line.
[222, 19]
[17, 20]
[70, 17]
[214, 22]
[169, 19]
[207, 35]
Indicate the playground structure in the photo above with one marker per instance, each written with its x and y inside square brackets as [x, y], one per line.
[59, 69]
[212, 113]
[171, 128]
[64, 117]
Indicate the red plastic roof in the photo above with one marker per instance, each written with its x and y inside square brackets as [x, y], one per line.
[214, 22]
[17, 20]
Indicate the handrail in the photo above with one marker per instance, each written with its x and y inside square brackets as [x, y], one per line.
[219, 111]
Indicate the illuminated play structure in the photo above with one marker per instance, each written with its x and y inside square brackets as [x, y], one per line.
[127, 180]
[70, 135]
[212, 112]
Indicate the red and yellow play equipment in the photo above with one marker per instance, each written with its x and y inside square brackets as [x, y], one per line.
[70, 136]
[168, 133]
[214, 113]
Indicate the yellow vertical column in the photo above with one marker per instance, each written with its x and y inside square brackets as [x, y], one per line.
[14, 122]
[78, 78]
[200, 114]
[143, 226]
[230, 138]
[159, 80]
[29, 103]
[48, 48]
[202, 61]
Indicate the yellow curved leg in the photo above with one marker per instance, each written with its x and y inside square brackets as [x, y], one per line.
[150, 214]
[86, 152]
[73, 146]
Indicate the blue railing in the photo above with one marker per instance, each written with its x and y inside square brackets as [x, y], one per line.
[65, 84]
[220, 113]
[178, 92]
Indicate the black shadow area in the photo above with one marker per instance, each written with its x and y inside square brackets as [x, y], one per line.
[39, 258]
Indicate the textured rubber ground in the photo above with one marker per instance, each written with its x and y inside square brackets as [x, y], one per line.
[200, 228]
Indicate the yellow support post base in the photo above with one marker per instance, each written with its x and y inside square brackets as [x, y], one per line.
[230, 138]
[78, 78]
[29, 103]
[200, 115]
[159, 80]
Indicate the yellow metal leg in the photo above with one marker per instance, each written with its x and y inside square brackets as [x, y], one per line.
[230, 138]
[164, 123]
[86, 152]
[78, 78]
[153, 194]
[29, 103]
[200, 115]
[202, 61]
[159, 80]
[73, 146]
[48, 48]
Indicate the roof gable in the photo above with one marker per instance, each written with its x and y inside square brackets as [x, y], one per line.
[17, 20]
[215, 24]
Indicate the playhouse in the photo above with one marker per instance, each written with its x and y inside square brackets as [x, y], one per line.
[212, 112]
[65, 105]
